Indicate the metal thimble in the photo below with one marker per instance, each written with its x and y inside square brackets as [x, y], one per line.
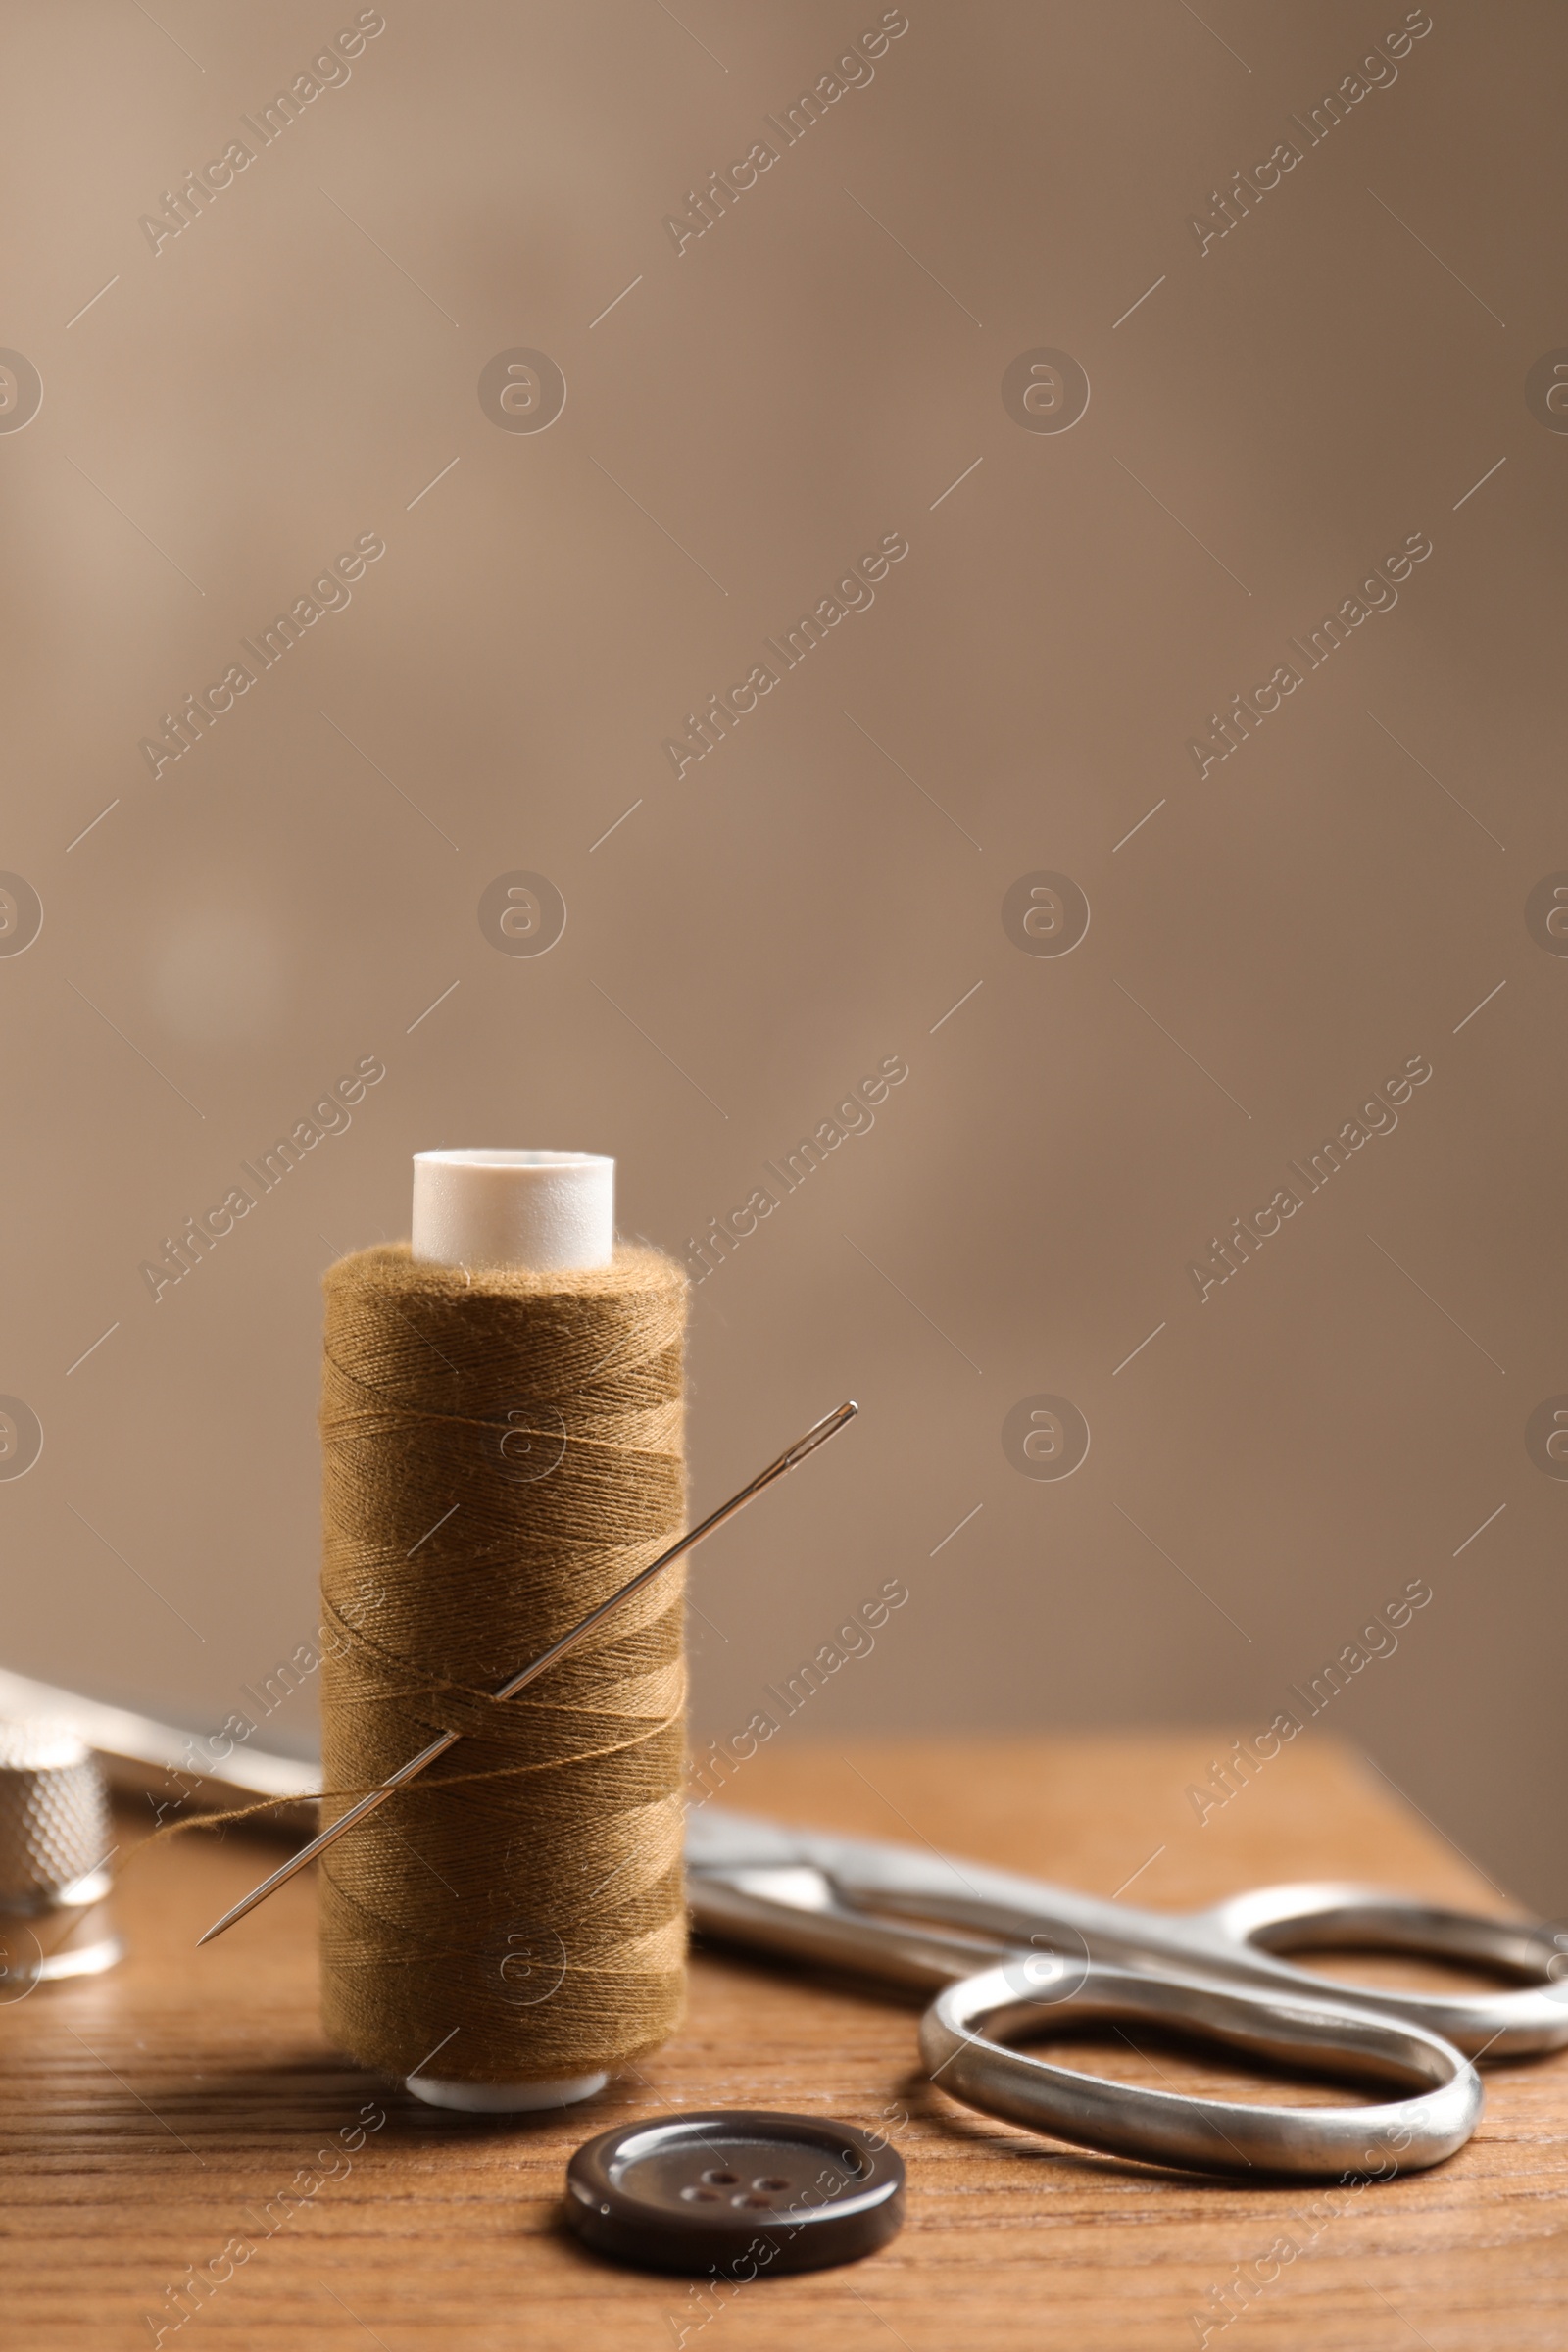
[55, 1842]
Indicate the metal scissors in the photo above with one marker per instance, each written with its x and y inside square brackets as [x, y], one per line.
[1007, 1956]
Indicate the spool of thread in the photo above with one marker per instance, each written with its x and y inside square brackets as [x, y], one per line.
[503, 1437]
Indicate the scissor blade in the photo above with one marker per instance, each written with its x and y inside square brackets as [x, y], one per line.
[718, 1839]
[791, 1908]
[882, 1875]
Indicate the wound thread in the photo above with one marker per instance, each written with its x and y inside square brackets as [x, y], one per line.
[501, 1452]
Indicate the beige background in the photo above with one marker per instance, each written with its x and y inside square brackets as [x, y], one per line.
[301, 365]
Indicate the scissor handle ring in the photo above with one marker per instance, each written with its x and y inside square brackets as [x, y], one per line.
[1331, 1915]
[1161, 2126]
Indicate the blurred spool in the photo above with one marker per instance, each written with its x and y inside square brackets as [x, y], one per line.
[504, 1446]
[55, 1843]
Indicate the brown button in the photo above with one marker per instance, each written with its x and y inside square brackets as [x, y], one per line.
[739, 2193]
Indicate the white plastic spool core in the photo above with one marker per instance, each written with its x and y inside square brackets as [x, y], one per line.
[505, 2098]
[552, 1213]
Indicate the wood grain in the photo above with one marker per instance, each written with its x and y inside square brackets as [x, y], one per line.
[150, 2116]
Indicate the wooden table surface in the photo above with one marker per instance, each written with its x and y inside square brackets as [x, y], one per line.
[150, 2116]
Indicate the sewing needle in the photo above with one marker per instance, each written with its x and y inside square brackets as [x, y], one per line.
[814, 1437]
